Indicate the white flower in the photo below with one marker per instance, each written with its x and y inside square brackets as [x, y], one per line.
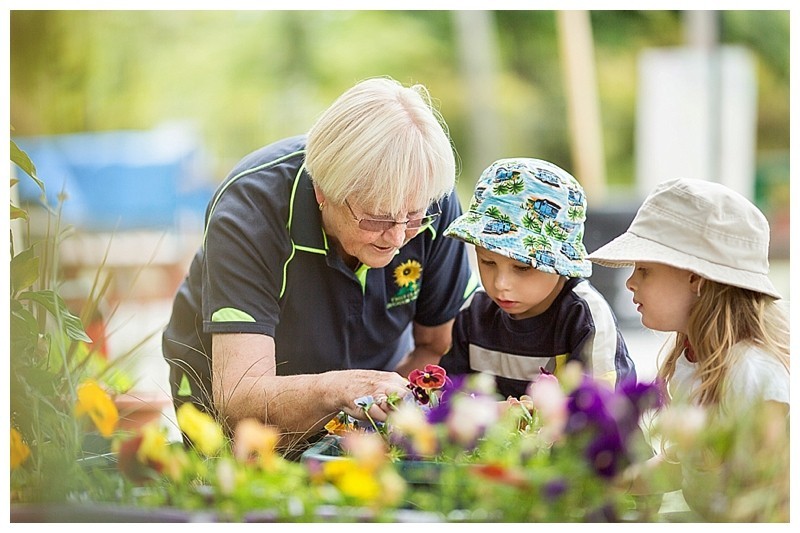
[681, 424]
[470, 416]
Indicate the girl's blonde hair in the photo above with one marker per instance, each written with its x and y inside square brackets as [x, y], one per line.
[383, 146]
[723, 316]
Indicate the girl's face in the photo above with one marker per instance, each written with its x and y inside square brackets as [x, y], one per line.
[663, 295]
[518, 289]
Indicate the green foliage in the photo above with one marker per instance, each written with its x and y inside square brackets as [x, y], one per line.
[99, 70]
[50, 355]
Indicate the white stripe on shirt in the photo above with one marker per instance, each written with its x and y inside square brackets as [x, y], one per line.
[600, 350]
[505, 364]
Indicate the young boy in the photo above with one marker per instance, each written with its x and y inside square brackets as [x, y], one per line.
[536, 309]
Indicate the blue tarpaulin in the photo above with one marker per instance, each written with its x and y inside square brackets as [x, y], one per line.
[120, 180]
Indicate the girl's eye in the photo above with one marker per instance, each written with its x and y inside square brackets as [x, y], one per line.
[522, 268]
[486, 262]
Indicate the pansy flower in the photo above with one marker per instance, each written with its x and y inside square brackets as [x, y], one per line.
[432, 377]
[98, 405]
[423, 383]
[610, 419]
[339, 425]
[352, 479]
[19, 450]
[548, 399]
[469, 418]
[143, 456]
[201, 429]
[364, 402]
[501, 474]
[255, 442]
[412, 432]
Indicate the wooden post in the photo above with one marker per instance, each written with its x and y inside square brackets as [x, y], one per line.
[583, 108]
[478, 61]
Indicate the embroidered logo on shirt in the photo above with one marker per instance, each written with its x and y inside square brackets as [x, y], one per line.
[406, 277]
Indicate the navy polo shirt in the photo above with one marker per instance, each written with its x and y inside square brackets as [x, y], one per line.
[266, 266]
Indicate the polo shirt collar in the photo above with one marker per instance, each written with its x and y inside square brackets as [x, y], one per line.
[305, 220]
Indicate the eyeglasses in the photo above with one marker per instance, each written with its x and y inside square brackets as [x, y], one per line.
[374, 224]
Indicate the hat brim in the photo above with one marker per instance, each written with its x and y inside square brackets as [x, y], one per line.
[630, 248]
[470, 228]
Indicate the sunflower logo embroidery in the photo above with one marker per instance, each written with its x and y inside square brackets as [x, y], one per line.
[406, 277]
[407, 273]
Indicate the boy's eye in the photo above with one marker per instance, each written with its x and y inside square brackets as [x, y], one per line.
[522, 268]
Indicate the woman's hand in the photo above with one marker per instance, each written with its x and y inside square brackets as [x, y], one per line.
[355, 384]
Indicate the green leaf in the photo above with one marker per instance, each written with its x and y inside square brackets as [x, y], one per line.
[24, 332]
[55, 305]
[21, 159]
[24, 270]
[16, 213]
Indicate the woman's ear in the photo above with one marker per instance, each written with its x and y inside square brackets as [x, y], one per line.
[319, 196]
[696, 283]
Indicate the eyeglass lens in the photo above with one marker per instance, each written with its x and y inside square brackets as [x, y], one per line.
[369, 224]
[372, 224]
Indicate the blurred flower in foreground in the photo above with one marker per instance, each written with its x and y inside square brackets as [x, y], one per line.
[366, 474]
[143, 456]
[368, 449]
[255, 441]
[411, 431]
[352, 479]
[682, 424]
[95, 402]
[201, 429]
[608, 421]
[549, 401]
[19, 450]
[470, 416]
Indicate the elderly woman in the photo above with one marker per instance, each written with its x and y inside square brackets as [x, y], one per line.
[324, 275]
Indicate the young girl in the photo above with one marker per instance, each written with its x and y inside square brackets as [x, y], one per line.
[700, 257]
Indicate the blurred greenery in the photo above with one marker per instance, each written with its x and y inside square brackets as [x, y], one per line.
[246, 78]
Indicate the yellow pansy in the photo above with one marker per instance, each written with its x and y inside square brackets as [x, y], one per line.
[201, 429]
[19, 450]
[96, 402]
[154, 447]
[336, 426]
[407, 273]
[352, 479]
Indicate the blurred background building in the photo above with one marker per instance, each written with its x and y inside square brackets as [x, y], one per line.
[133, 117]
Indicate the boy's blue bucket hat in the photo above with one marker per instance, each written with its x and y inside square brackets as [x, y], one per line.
[531, 211]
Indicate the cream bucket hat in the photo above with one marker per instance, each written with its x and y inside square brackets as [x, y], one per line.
[700, 226]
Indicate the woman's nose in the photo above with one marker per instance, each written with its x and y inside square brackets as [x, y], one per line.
[396, 235]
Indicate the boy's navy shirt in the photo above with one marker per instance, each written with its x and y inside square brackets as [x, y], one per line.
[579, 325]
